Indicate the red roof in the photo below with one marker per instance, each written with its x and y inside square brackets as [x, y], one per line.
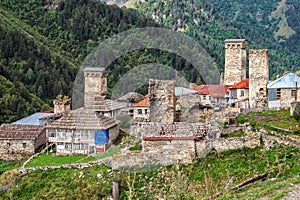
[48, 111]
[244, 84]
[213, 90]
[143, 103]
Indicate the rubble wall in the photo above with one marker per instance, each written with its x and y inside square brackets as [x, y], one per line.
[258, 78]
[235, 62]
[161, 101]
[16, 149]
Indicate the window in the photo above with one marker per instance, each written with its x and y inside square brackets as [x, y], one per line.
[84, 146]
[146, 111]
[209, 97]
[204, 97]
[24, 145]
[278, 94]
[242, 93]
[68, 146]
[140, 111]
[76, 146]
[84, 134]
[52, 133]
[8, 144]
[293, 93]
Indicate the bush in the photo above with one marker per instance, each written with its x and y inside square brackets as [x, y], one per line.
[296, 113]
[241, 119]
[135, 148]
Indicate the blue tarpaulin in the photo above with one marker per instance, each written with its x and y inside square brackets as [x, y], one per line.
[101, 136]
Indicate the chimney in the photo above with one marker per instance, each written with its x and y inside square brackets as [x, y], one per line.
[61, 104]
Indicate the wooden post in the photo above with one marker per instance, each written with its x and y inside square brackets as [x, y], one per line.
[116, 189]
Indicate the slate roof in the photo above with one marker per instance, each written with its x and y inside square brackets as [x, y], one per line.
[99, 103]
[132, 97]
[244, 84]
[287, 81]
[179, 91]
[143, 103]
[83, 119]
[33, 119]
[213, 90]
[17, 131]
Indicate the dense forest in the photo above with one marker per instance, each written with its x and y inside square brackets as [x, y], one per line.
[43, 43]
[212, 23]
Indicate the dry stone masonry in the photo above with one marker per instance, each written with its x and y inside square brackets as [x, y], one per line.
[235, 61]
[162, 101]
[258, 78]
[95, 83]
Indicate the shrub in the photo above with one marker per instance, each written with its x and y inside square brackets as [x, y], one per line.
[296, 113]
[241, 119]
[135, 148]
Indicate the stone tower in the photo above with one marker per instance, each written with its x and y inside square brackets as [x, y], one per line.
[235, 61]
[161, 101]
[95, 83]
[258, 78]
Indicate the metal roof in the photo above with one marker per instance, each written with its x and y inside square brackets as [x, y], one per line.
[179, 91]
[235, 40]
[287, 81]
[94, 69]
[33, 119]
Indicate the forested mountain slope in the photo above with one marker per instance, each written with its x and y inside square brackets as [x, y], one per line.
[43, 44]
[211, 22]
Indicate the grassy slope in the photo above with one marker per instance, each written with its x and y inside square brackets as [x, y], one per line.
[199, 180]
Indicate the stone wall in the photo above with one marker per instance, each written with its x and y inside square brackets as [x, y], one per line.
[223, 144]
[95, 83]
[286, 97]
[40, 141]
[16, 149]
[161, 101]
[235, 61]
[258, 78]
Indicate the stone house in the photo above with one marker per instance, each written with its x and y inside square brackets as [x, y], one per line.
[283, 91]
[213, 94]
[106, 107]
[82, 131]
[141, 110]
[129, 100]
[239, 94]
[176, 141]
[187, 104]
[18, 141]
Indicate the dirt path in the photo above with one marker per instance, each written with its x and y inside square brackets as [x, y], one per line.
[294, 194]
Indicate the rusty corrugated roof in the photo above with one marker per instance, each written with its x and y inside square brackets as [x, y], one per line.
[213, 90]
[244, 84]
[143, 103]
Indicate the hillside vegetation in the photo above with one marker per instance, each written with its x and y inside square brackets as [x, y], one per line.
[42, 48]
[216, 174]
[211, 22]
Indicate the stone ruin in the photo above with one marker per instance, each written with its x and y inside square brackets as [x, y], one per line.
[162, 101]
